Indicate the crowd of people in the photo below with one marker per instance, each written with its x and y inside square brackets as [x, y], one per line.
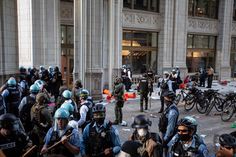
[41, 117]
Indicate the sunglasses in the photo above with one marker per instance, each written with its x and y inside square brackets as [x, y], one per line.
[183, 131]
[227, 147]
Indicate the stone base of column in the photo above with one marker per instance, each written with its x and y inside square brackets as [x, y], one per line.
[93, 82]
[225, 73]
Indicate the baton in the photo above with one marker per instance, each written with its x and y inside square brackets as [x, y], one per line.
[29, 151]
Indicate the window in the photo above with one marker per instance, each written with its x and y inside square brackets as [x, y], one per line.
[203, 8]
[67, 34]
[147, 5]
[139, 50]
[201, 50]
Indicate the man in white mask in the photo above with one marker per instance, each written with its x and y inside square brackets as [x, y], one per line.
[151, 142]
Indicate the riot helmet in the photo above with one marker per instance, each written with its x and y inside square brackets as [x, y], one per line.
[67, 94]
[34, 89]
[11, 82]
[9, 121]
[227, 140]
[189, 122]
[78, 84]
[40, 84]
[84, 94]
[99, 113]
[169, 94]
[68, 106]
[141, 121]
[61, 113]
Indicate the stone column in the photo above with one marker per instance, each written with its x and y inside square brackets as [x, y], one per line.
[180, 35]
[8, 39]
[165, 40]
[224, 39]
[39, 32]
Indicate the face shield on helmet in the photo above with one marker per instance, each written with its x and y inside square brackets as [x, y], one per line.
[61, 117]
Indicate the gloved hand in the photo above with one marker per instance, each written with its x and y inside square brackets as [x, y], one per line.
[108, 152]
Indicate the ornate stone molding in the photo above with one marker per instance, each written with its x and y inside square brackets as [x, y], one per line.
[132, 19]
[202, 26]
[233, 30]
[66, 12]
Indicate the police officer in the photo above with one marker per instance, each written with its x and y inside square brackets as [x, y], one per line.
[85, 111]
[118, 93]
[227, 146]
[23, 83]
[13, 141]
[41, 119]
[3, 109]
[151, 79]
[69, 137]
[67, 95]
[12, 96]
[151, 142]
[100, 138]
[169, 118]
[56, 82]
[187, 143]
[165, 86]
[25, 107]
[70, 108]
[143, 90]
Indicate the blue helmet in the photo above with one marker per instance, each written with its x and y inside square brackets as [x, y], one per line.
[50, 69]
[39, 83]
[61, 113]
[67, 94]
[11, 81]
[34, 89]
[68, 106]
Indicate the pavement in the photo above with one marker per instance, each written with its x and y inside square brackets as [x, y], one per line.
[209, 127]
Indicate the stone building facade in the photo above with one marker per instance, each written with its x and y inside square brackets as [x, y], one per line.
[91, 39]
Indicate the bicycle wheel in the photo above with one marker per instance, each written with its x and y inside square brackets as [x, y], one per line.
[227, 112]
[202, 106]
[189, 105]
[210, 107]
[219, 104]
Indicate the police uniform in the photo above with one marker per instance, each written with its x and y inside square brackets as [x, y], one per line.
[12, 98]
[196, 147]
[54, 136]
[143, 89]
[97, 139]
[85, 114]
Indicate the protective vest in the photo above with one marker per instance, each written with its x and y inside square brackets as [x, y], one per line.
[98, 142]
[89, 114]
[60, 149]
[13, 99]
[25, 113]
[179, 151]
[14, 145]
[163, 121]
[25, 91]
[143, 85]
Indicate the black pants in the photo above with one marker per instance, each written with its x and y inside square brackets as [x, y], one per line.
[143, 96]
[162, 103]
[209, 81]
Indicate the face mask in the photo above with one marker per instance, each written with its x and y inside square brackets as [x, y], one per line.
[142, 132]
[184, 137]
[99, 121]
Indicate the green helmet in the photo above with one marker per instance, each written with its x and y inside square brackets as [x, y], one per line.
[11, 81]
[68, 106]
[34, 89]
[67, 94]
[61, 113]
[84, 94]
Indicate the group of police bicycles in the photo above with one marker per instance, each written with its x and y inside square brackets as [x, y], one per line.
[206, 100]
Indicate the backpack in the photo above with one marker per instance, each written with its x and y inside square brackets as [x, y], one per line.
[164, 84]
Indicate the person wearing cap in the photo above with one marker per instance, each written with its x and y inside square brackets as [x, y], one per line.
[69, 137]
[165, 85]
[187, 142]
[13, 140]
[100, 138]
[150, 141]
[227, 146]
[130, 149]
[169, 118]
